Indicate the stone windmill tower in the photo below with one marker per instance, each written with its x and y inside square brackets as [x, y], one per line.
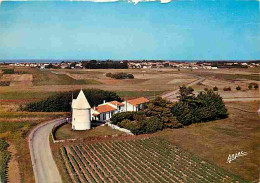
[81, 115]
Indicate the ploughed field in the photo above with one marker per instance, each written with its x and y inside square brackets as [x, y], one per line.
[152, 159]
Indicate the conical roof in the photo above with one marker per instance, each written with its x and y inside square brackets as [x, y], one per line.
[81, 102]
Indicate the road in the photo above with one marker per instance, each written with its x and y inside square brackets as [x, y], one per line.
[171, 96]
[44, 167]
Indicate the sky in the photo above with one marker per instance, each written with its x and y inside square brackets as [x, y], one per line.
[179, 30]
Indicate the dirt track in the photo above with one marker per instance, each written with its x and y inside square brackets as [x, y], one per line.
[172, 95]
[44, 167]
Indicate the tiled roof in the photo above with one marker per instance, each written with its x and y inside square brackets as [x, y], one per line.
[105, 108]
[116, 102]
[138, 101]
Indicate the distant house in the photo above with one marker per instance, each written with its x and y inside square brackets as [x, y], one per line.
[135, 104]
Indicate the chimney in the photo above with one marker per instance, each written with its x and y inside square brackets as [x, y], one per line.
[104, 101]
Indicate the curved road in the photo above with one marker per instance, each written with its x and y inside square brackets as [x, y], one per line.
[44, 167]
[171, 96]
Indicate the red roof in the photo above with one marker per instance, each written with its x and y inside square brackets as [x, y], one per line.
[105, 108]
[138, 101]
[116, 102]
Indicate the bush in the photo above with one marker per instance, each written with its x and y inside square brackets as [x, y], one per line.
[118, 117]
[5, 83]
[215, 88]
[227, 89]
[3, 145]
[8, 71]
[238, 88]
[120, 75]
[250, 86]
[62, 102]
[148, 125]
[153, 124]
[206, 89]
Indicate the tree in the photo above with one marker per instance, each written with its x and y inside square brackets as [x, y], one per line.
[205, 107]
[256, 86]
[250, 86]
[153, 124]
[185, 93]
[238, 88]
[215, 88]
[227, 89]
[161, 109]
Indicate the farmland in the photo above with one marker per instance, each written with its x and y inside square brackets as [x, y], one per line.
[205, 140]
[143, 160]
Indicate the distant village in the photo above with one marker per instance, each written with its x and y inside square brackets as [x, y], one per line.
[145, 64]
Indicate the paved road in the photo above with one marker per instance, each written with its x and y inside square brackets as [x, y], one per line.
[44, 167]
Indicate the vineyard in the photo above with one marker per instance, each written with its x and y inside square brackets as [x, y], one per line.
[143, 160]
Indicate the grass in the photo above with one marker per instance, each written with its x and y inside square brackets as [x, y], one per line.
[226, 76]
[215, 140]
[17, 95]
[65, 132]
[131, 94]
[46, 77]
[255, 77]
[15, 127]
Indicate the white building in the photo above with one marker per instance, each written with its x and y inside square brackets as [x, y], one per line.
[105, 111]
[81, 113]
[135, 104]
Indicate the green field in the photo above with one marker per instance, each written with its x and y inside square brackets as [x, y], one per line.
[47, 77]
[15, 127]
[131, 94]
[143, 160]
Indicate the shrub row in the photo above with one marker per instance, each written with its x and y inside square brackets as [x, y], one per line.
[62, 102]
[121, 75]
[5, 83]
[8, 71]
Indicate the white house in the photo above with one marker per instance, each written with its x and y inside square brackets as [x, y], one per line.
[81, 113]
[105, 111]
[135, 104]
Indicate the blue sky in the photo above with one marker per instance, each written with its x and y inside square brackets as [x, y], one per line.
[183, 30]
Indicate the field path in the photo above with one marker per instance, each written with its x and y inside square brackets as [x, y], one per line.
[44, 167]
[171, 96]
